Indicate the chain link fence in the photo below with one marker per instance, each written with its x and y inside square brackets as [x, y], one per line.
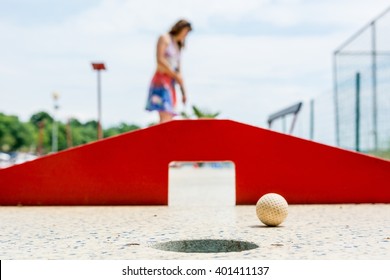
[365, 55]
[356, 114]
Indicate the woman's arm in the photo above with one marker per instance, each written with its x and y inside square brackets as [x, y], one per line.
[162, 62]
[182, 88]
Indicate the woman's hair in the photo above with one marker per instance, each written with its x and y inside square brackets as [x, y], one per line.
[178, 27]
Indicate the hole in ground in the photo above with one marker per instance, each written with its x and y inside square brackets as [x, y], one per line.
[206, 246]
[202, 183]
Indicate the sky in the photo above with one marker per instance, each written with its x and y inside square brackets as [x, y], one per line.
[245, 58]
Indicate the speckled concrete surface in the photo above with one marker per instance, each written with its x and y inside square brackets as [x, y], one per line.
[201, 207]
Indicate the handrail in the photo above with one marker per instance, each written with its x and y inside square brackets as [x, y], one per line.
[294, 109]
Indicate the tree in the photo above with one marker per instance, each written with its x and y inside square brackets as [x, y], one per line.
[22, 136]
[36, 118]
[15, 134]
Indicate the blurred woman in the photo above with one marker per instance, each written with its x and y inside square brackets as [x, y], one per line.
[162, 93]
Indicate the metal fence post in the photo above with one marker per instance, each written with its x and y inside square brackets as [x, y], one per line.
[312, 119]
[357, 113]
[336, 100]
[374, 85]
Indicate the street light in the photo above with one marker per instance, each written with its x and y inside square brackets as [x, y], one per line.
[54, 141]
[98, 66]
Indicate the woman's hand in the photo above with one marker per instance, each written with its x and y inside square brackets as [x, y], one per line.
[179, 80]
[183, 95]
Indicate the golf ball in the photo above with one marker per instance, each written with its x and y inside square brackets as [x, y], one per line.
[272, 209]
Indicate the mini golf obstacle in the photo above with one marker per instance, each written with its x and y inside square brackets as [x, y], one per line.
[132, 168]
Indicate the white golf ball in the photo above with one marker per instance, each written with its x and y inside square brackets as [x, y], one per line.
[272, 209]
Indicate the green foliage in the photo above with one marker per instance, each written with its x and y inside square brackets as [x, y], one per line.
[185, 115]
[39, 117]
[14, 134]
[122, 128]
[36, 133]
[200, 114]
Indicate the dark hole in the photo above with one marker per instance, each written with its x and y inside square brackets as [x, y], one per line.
[206, 246]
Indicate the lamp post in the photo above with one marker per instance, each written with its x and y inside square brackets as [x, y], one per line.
[54, 141]
[99, 67]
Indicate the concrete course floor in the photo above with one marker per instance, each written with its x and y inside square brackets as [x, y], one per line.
[201, 206]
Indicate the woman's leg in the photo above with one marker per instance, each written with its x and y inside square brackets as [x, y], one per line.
[165, 116]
